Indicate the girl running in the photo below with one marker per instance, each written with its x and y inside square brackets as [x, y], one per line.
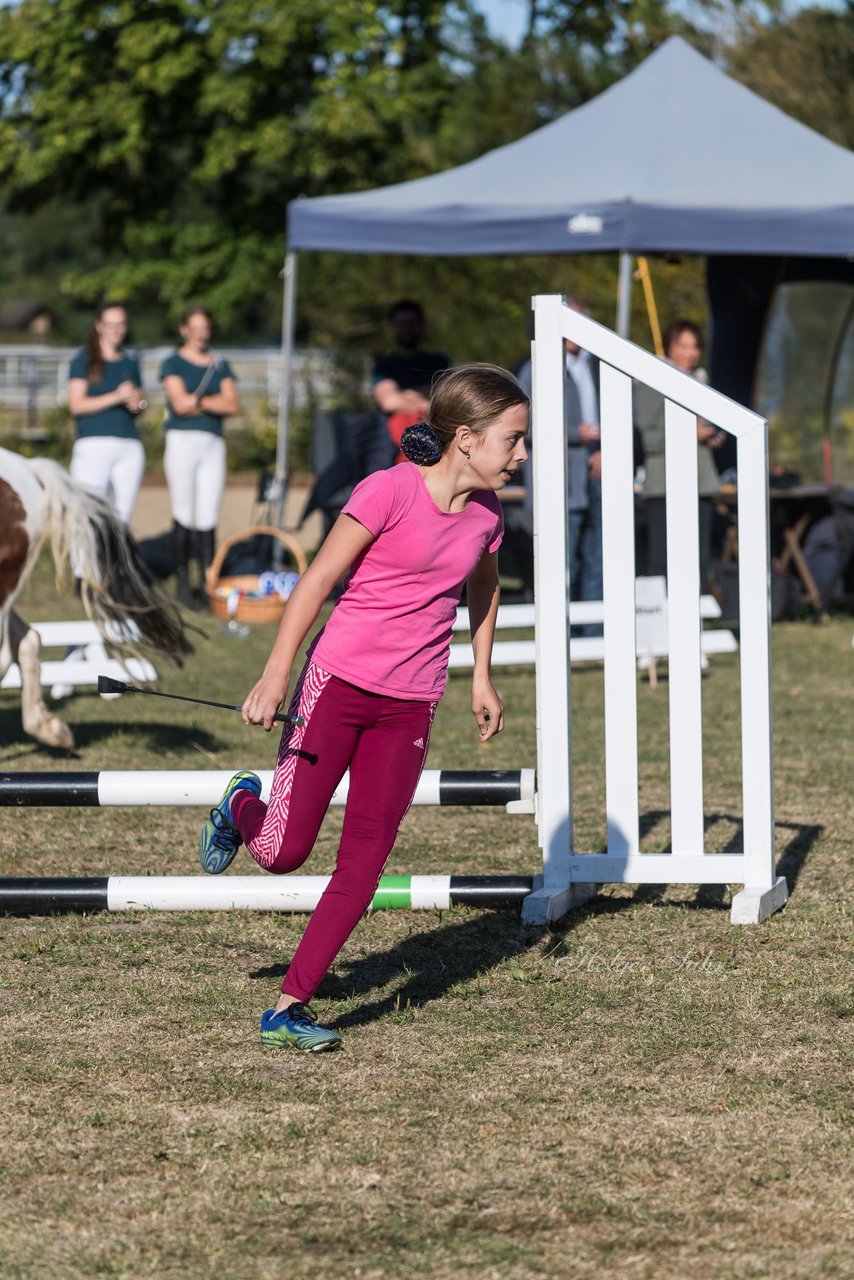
[411, 537]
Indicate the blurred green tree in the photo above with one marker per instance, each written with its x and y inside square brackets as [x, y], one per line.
[803, 63]
[187, 126]
[173, 133]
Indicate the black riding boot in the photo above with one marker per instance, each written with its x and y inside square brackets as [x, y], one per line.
[181, 557]
[205, 539]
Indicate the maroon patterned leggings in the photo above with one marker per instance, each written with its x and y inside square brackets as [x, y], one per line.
[383, 741]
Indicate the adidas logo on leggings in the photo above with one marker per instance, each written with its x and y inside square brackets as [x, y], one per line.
[419, 742]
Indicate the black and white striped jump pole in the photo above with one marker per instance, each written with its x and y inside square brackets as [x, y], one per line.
[47, 896]
[508, 787]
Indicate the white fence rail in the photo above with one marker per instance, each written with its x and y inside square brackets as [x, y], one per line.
[34, 378]
[567, 874]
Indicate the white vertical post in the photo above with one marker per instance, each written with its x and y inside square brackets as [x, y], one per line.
[624, 296]
[683, 621]
[551, 563]
[755, 629]
[755, 625]
[288, 329]
[554, 715]
[618, 559]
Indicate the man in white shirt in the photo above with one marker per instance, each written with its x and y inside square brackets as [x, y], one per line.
[584, 470]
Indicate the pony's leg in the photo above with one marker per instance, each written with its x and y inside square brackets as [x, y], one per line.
[5, 643]
[39, 722]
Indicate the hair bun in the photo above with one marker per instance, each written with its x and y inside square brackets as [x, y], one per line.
[420, 444]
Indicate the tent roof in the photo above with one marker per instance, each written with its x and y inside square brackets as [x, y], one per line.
[677, 156]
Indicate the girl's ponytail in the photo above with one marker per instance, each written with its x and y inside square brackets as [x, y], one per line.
[420, 444]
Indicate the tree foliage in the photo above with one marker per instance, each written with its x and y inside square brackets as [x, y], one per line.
[804, 65]
[189, 124]
[149, 148]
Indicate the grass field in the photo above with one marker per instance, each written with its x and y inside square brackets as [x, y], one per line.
[646, 1091]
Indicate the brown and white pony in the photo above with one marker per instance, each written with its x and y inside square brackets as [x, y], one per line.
[39, 502]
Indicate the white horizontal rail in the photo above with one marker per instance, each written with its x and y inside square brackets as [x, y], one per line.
[523, 616]
[658, 868]
[83, 674]
[55, 634]
[522, 653]
[204, 787]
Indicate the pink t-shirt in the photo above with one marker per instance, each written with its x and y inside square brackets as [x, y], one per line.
[391, 630]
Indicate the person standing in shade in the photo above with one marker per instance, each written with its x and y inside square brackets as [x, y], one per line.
[201, 390]
[683, 347]
[105, 399]
[584, 474]
[403, 378]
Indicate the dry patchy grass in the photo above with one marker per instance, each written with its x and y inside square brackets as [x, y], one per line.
[647, 1091]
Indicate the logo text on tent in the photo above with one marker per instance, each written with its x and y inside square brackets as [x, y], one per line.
[584, 224]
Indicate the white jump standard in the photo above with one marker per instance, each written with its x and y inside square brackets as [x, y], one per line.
[570, 877]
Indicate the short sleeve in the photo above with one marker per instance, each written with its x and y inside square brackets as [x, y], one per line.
[79, 367]
[134, 371]
[498, 533]
[226, 371]
[169, 368]
[381, 370]
[373, 501]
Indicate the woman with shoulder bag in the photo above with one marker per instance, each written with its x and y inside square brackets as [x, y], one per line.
[201, 390]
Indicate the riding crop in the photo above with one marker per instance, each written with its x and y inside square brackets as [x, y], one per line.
[107, 685]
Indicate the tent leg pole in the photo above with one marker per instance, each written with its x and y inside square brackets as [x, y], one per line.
[288, 327]
[624, 297]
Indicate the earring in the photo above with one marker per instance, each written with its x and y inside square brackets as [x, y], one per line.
[466, 454]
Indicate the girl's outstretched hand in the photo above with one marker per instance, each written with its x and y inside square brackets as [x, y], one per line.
[263, 701]
[488, 709]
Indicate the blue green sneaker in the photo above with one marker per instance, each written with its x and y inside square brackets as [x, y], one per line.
[220, 838]
[296, 1028]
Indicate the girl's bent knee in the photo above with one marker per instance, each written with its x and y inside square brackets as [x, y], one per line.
[288, 860]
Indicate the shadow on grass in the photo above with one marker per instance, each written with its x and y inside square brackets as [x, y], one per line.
[437, 961]
[792, 856]
[147, 736]
[457, 952]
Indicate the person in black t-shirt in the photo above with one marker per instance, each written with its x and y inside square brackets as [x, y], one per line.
[403, 378]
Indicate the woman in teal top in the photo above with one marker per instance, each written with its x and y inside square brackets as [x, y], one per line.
[201, 390]
[105, 398]
[683, 347]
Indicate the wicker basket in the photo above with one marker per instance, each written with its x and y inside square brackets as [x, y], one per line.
[250, 608]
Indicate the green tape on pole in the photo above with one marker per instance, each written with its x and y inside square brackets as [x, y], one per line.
[393, 891]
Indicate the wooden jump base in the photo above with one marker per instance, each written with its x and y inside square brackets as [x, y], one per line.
[508, 787]
[47, 896]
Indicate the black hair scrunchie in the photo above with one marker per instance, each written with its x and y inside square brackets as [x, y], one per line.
[420, 444]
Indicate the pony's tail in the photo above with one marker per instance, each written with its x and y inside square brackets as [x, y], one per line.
[116, 584]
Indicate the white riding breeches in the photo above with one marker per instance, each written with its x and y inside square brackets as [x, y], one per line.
[113, 467]
[194, 463]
